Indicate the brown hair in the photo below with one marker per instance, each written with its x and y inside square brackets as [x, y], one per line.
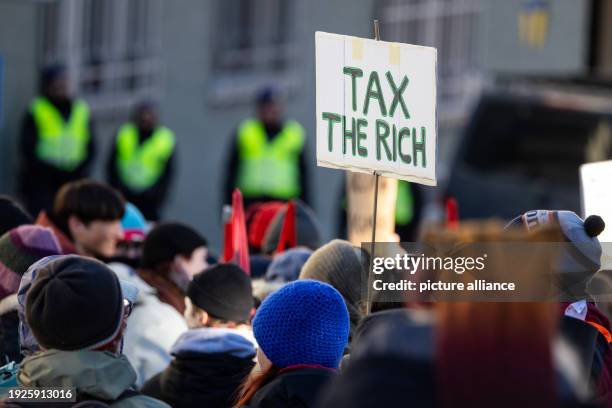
[213, 320]
[496, 353]
[253, 383]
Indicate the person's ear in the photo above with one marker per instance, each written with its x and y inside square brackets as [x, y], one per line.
[74, 224]
[204, 318]
[177, 263]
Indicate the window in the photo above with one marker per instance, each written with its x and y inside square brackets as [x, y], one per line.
[253, 44]
[450, 26]
[111, 49]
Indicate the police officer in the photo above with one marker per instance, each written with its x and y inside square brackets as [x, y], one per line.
[141, 161]
[267, 155]
[57, 141]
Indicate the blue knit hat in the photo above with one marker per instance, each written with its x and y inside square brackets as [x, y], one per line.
[133, 223]
[304, 322]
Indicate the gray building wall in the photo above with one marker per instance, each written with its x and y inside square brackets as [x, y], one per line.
[18, 40]
[563, 52]
[203, 126]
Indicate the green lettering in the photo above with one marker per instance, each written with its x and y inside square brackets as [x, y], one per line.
[374, 82]
[397, 95]
[348, 134]
[404, 132]
[354, 73]
[331, 119]
[382, 132]
[394, 132]
[419, 147]
[362, 150]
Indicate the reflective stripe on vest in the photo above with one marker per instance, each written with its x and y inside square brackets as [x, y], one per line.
[141, 166]
[272, 168]
[61, 143]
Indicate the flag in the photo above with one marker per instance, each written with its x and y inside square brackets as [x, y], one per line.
[288, 237]
[235, 246]
[452, 213]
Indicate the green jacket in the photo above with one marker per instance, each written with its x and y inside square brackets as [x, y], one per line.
[100, 374]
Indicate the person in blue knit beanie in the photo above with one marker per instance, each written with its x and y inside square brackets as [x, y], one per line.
[301, 330]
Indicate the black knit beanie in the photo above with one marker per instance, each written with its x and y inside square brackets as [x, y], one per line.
[74, 303]
[167, 240]
[223, 291]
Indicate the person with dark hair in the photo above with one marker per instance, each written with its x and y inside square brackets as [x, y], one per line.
[172, 254]
[12, 214]
[217, 353]
[267, 159]
[140, 164]
[86, 218]
[57, 140]
[302, 330]
[154, 325]
[77, 310]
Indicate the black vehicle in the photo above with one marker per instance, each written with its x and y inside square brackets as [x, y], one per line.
[522, 149]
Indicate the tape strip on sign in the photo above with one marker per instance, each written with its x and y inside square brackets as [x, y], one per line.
[394, 54]
[357, 48]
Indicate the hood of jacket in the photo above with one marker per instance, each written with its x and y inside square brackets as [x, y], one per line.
[208, 367]
[206, 340]
[101, 374]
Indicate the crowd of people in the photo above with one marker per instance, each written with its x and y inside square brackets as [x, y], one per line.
[99, 295]
[134, 314]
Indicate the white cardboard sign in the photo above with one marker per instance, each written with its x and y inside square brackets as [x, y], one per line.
[376, 107]
[597, 200]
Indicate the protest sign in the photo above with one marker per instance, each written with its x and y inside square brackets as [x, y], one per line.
[360, 203]
[597, 200]
[376, 107]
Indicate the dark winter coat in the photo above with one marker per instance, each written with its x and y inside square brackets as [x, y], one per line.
[9, 338]
[393, 361]
[298, 388]
[208, 367]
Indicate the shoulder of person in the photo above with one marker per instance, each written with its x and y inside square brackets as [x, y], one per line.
[299, 387]
[139, 401]
[382, 333]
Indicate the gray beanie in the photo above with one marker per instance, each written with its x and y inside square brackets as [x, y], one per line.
[338, 263]
[580, 259]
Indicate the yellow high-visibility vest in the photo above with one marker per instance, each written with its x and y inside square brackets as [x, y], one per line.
[269, 168]
[141, 166]
[61, 143]
[404, 204]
